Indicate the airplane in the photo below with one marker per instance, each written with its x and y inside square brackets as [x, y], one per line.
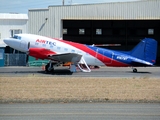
[59, 51]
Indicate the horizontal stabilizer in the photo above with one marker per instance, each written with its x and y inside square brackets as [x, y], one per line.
[140, 63]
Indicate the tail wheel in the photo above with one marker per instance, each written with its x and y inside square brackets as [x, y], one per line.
[134, 70]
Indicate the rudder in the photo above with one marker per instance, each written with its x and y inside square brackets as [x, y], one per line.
[146, 50]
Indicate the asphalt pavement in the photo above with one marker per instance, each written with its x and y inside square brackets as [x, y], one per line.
[64, 72]
[81, 111]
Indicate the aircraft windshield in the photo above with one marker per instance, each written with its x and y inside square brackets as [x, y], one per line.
[16, 37]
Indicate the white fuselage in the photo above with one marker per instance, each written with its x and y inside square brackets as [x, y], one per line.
[23, 42]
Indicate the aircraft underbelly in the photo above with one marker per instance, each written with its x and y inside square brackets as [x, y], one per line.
[90, 60]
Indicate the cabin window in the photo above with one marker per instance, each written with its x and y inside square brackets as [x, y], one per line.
[79, 52]
[87, 53]
[36, 43]
[51, 46]
[73, 50]
[58, 48]
[65, 49]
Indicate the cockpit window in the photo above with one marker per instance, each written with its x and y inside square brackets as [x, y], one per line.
[16, 37]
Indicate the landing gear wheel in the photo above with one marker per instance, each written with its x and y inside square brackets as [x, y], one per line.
[47, 70]
[52, 71]
[134, 70]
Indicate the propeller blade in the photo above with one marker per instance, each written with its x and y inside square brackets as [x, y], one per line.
[28, 45]
[28, 48]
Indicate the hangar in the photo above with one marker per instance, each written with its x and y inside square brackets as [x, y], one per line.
[118, 25]
[10, 24]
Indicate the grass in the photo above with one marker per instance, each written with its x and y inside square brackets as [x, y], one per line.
[61, 89]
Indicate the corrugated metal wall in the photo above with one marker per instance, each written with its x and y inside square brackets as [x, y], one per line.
[38, 22]
[52, 27]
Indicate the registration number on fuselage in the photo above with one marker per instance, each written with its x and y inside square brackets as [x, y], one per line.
[122, 57]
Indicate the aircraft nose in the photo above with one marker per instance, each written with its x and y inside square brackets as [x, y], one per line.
[6, 40]
[11, 42]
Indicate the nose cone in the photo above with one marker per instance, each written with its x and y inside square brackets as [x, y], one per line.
[7, 41]
[16, 44]
[13, 43]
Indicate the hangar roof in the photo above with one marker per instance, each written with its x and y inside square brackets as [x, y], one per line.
[13, 16]
[138, 10]
[109, 2]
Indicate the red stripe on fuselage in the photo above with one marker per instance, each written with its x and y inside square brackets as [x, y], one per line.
[94, 54]
[40, 53]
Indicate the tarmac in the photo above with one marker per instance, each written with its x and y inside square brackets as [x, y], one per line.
[80, 111]
[123, 72]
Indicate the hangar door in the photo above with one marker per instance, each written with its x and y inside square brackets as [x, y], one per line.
[125, 33]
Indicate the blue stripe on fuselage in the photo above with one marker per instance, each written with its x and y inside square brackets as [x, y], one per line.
[118, 56]
[111, 54]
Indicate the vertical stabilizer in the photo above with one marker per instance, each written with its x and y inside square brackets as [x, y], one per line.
[146, 50]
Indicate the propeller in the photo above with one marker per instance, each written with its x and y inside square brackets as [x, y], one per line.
[28, 45]
[28, 48]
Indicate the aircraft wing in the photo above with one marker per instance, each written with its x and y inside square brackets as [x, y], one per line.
[66, 57]
[42, 53]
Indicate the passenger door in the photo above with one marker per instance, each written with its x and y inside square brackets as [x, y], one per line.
[104, 55]
[108, 57]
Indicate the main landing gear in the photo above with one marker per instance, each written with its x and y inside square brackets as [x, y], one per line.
[49, 68]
